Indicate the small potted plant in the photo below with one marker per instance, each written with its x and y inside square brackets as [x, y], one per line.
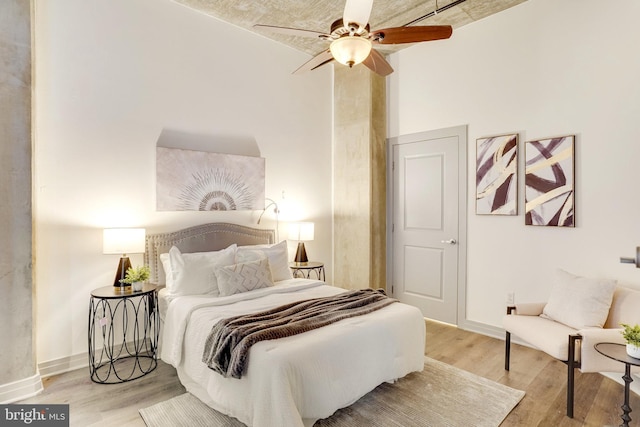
[136, 277]
[631, 335]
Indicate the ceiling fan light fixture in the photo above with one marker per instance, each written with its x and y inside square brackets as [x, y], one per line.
[350, 50]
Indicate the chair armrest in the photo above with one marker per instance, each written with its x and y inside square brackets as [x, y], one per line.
[527, 309]
[593, 336]
[591, 360]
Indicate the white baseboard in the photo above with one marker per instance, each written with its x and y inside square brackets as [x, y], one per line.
[29, 387]
[64, 364]
[491, 331]
[21, 389]
[71, 363]
[482, 328]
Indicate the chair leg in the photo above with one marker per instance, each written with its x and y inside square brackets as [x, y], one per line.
[570, 388]
[571, 372]
[507, 350]
[507, 341]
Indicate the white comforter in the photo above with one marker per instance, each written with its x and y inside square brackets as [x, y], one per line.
[297, 380]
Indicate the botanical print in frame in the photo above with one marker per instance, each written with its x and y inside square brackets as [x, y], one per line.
[549, 182]
[188, 180]
[496, 175]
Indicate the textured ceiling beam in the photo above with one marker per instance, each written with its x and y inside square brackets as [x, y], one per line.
[318, 15]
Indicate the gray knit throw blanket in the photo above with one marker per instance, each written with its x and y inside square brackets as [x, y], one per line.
[227, 346]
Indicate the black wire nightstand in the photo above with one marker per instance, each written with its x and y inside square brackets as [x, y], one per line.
[303, 270]
[129, 324]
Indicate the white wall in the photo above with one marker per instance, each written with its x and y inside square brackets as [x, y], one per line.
[543, 68]
[110, 76]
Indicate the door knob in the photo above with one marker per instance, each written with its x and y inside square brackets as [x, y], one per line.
[450, 241]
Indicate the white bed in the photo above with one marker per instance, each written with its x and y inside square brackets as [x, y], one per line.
[291, 381]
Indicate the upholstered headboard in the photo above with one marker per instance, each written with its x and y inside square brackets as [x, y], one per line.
[201, 238]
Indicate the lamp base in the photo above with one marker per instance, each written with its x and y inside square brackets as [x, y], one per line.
[301, 255]
[121, 272]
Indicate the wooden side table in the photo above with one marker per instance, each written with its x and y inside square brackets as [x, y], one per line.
[619, 352]
[124, 327]
[303, 270]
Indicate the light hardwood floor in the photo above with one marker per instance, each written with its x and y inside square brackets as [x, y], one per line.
[598, 399]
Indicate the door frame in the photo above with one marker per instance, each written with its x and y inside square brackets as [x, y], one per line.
[459, 132]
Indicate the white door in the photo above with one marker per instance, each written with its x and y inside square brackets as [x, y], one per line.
[426, 231]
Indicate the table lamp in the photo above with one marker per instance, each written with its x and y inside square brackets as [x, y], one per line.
[301, 231]
[123, 241]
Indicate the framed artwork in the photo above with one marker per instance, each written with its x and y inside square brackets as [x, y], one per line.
[496, 175]
[188, 180]
[549, 182]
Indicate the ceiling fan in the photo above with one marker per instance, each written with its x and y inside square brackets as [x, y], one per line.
[352, 40]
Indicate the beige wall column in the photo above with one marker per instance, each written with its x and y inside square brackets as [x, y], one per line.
[359, 176]
[17, 357]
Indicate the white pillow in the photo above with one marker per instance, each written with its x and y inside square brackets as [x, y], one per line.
[244, 277]
[166, 266]
[579, 302]
[193, 273]
[277, 254]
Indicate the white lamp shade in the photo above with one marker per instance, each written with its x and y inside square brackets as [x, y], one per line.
[301, 231]
[123, 241]
[350, 50]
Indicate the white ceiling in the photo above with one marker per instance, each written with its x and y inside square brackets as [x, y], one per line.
[317, 15]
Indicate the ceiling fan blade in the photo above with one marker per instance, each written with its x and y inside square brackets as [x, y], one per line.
[376, 63]
[291, 31]
[399, 35]
[357, 11]
[315, 62]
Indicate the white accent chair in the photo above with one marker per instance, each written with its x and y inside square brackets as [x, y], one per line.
[572, 346]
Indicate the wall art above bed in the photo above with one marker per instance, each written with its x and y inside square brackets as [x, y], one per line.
[188, 180]
[549, 182]
[496, 175]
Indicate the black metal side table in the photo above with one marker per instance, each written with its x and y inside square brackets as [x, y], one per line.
[619, 352]
[303, 270]
[124, 327]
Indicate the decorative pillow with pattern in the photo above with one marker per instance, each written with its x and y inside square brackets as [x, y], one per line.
[277, 254]
[244, 277]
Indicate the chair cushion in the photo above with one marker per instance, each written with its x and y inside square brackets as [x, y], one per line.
[579, 302]
[545, 334]
[624, 307]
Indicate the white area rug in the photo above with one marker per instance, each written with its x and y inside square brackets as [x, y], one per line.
[439, 396]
